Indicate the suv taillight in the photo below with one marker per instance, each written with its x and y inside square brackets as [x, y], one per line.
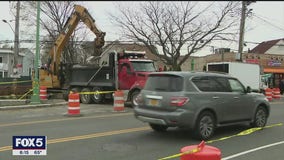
[179, 101]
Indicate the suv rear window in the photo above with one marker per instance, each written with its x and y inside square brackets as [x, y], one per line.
[168, 83]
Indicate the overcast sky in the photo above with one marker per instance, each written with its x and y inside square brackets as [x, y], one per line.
[267, 23]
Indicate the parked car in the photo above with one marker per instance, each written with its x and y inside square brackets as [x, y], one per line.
[200, 101]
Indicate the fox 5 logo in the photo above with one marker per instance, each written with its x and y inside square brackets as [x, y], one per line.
[29, 142]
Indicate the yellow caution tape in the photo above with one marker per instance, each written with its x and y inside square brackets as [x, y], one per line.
[26, 94]
[273, 125]
[12, 96]
[248, 131]
[14, 82]
[243, 133]
[180, 154]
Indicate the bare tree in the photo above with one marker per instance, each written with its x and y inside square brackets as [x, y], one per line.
[54, 15]
[172, 26]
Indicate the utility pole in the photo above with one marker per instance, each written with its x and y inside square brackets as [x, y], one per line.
[242, 26]
[16, 39]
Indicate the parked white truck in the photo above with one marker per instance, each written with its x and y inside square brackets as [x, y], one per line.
[247, 73]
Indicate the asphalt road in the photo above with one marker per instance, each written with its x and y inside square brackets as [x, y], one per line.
[100, 133]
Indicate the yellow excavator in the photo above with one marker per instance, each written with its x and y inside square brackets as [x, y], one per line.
[50, 75]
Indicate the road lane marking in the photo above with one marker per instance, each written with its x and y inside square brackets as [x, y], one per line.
[6, 148]
[95, 135]
[63, 119]
[252, 150]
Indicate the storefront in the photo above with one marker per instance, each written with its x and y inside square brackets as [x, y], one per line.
[276, 75]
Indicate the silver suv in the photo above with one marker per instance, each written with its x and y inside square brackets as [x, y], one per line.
[199, 101]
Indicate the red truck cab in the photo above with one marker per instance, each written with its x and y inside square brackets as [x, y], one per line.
[133, 70]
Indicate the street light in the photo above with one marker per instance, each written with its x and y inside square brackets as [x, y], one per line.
[5, 21]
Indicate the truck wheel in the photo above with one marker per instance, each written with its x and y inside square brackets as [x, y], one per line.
[86, 98]
[98, 98]
[133, 97]
[66, 94]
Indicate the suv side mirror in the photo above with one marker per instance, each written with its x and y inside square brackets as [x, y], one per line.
[248, 90]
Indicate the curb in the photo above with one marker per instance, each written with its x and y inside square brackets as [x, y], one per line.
[32, 106]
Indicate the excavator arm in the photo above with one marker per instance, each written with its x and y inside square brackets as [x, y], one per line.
[79, 14]
[90, 22]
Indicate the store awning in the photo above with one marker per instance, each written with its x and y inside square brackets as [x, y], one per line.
[273, 70]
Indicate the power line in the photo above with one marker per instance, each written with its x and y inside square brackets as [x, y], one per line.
[264, 20]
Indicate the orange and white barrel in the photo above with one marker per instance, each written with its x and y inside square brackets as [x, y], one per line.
[118, 102]
[276, 93]
[74, 104]
[43, 92]
[268, 94]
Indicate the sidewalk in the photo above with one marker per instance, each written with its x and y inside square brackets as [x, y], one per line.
[21, 104]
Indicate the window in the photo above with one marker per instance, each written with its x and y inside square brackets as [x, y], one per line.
[1, 60]
[169, 83]
[222, 84]
[219, 67]
[202, 83]
[236, 86]
[127, 67]
[5, 74]
[143, 66]
[212, 84]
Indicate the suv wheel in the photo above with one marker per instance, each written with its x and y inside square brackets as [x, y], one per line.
[205, 126]
[158, 128]
[260, 117]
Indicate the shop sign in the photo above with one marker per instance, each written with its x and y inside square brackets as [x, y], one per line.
[253, 61]
[274, 63]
